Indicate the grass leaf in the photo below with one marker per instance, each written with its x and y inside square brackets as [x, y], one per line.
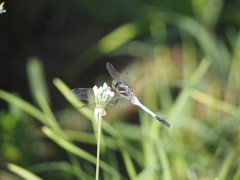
[22, 172]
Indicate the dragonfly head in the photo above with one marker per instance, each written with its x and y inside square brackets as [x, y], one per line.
[115, 84]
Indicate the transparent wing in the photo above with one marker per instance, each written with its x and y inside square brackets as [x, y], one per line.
[87, 106]
[120, 102]
[112, 71]
[124, 79]
[85, 94]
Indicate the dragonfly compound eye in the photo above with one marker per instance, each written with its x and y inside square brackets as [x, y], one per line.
[115, 84]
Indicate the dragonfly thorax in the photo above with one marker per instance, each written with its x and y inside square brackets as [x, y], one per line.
[122, 89]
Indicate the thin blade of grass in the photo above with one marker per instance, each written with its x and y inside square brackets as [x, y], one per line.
[79, 172]
[110, 42]
[128, 162]
[143, 175]
[163, 158]
[22, 172]
[50, 166]
[42, 101]
[112, 159]
[62, 87]
[36, 79]
[57, 166]
[226, 165]
[215, 103]
[236, 67]
[149, 100]
[77, 151]
[55, 126]
[89, 138]
[24, 105]
[184, 96]
[220, 60]
[237, 174]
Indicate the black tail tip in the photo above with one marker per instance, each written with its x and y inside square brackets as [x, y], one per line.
[164, 122]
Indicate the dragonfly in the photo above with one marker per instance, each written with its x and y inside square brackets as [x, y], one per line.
[123, 94]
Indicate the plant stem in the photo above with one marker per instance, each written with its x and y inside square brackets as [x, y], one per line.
[98, 145]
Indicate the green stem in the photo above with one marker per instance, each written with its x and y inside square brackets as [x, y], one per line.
[98, 145]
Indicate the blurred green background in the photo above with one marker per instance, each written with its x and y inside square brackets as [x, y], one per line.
[183, 60]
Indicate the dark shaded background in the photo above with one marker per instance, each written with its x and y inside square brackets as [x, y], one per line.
[58, 31]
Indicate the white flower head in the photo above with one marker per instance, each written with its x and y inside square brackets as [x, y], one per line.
[105, 86]
[103, 95]
[1, 8]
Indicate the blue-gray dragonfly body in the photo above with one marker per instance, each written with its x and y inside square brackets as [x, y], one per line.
[123, 94]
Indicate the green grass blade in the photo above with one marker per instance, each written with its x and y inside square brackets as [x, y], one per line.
[110, 42]
[22, 172]
[42, 101]
[237, 174]
[220, 59]
[49, 166]
[64, 89]
[128, 162]
[89, 138]
[215, 103]
[24, 105]
[79, 172]
[226, 165]
[57, 166]
[55, 126]
[163, 158]
[118, 37]
[36, 79]
[184, 95]
[77, 151]
[143, 175]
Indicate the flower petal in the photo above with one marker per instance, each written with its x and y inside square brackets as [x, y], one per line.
[96, 112]
[95, 90]
[100, 89]
[105, 86]
[112, 94]
[103, 112]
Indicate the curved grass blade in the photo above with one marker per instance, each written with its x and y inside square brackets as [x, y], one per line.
[77, 151]
[107, 44]
[220, 59]
[24, 105]
[146, 172]
[56, 166]
[23, 172]
[36, 79]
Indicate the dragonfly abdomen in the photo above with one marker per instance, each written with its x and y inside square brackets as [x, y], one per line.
[162, 121]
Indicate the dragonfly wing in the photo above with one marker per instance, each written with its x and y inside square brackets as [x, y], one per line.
[112, 71]
[124, 79]
[87, 106]
[85, 94]
[121, 102]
